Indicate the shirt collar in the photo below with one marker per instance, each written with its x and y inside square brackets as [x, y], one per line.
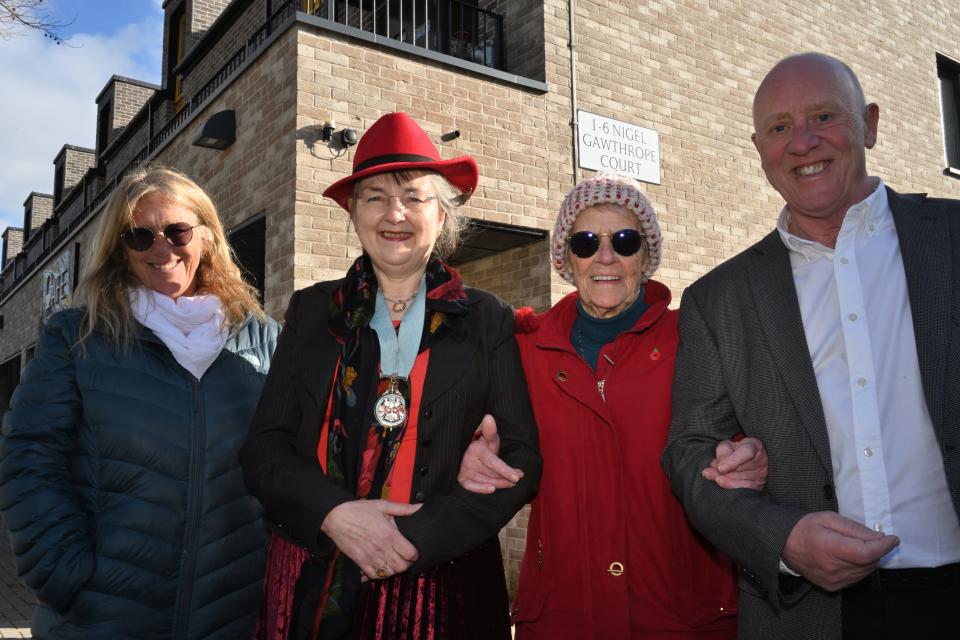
[866, 216]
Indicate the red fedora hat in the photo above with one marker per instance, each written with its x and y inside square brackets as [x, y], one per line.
[396, 143]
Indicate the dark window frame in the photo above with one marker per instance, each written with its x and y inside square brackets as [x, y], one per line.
[104, 126]
[948, 75]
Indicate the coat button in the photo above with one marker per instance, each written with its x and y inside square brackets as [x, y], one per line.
[616, 568]
[828, 493]
[428, 413]
[562, 376]
[420, 497]
[422, 471]
[427, 443]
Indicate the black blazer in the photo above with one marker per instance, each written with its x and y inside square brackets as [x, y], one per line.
[743, 364]
[465, 379]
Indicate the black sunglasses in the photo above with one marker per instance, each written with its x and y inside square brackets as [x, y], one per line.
[178, 234]
[625, 242]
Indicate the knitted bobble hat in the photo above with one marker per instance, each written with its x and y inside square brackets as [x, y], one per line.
[606, 188]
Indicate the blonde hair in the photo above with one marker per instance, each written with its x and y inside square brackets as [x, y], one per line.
[448, 197]
[106, 284]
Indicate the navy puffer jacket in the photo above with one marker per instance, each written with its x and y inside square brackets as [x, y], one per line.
[122, 491]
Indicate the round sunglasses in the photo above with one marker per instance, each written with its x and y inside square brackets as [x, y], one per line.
[625, 242]
[178, 234]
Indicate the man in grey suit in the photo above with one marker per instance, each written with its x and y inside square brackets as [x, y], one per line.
[836, 341]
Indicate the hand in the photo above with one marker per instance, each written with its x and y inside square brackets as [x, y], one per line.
[365, 530]
[739, 465]
[481, 471]
[834, 552]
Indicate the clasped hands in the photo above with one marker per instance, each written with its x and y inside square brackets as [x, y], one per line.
[366, 532]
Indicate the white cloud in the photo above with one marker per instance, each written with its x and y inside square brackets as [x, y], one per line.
[49, 94]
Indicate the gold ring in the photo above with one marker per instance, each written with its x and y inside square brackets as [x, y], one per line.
[381, 573]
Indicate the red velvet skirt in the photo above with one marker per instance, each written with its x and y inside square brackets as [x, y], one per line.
[462, 599]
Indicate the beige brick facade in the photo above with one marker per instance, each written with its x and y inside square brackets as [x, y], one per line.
[12, 243]
[37, 209]
[685, 69]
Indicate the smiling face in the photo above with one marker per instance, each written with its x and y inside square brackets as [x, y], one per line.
[164, 268]
[608, 282]
[398, 238]
[812, 131]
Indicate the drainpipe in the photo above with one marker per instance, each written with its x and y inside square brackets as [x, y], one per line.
[574, 128]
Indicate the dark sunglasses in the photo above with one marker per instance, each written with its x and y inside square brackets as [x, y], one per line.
[178, 234]
[625, 242]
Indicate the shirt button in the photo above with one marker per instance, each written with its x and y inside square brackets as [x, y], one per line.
[852, 317]
[868, 452]
[872, 228]
[828, 493]
[878, 527]
[861, 382]
[844, 261]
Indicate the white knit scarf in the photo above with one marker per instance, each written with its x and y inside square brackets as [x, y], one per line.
[192, 327]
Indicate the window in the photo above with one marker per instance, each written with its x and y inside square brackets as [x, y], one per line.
[58, 179]
[248, 241]
[176, 44]
[103, 126]
[949, 73]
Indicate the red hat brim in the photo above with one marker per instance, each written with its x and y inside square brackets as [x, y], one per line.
[460, 172]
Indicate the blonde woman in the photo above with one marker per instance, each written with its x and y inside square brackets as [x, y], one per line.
[119, 479]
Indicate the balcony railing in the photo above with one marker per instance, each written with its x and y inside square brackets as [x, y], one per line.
[452, 27]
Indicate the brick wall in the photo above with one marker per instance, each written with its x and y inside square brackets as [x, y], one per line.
[76, 164]
[256, 173]
[203, 13]
[22, 311]
[229, 43]
[523, 36]
[121, 157]
[128, 99]
[12, 243]
[37, 209]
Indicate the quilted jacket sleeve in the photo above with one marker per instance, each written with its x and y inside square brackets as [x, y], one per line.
[49, 530]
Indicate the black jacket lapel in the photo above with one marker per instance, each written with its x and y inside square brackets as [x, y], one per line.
[924, 234]
[775, 297]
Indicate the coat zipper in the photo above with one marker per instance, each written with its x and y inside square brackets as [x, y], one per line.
[600, 384]
[192, 525]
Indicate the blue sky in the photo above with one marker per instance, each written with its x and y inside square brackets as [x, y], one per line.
[49, 90]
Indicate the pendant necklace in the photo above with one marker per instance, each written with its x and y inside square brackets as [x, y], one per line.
[399, 306]
[398, 351]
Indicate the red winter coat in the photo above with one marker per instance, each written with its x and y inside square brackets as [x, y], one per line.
[609, 551]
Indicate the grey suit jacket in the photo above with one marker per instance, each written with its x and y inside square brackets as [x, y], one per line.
[743, 365]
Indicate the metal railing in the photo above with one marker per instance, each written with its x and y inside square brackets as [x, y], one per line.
[451, 27]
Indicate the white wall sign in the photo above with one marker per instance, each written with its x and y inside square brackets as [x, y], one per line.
[618, 147]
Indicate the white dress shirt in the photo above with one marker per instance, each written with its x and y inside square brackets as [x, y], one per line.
[887, 465]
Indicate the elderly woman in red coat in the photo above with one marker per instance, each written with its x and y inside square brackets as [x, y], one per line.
[609, 551]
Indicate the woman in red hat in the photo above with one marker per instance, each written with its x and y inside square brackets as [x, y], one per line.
[378, 384]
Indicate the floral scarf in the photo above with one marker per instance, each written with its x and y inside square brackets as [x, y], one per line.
[360, 454]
